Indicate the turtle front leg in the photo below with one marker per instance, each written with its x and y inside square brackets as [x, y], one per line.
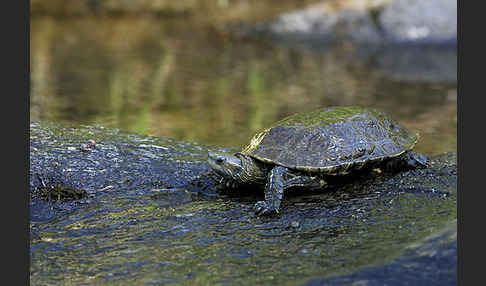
[273, 192]
[407, 161]
[280, 179]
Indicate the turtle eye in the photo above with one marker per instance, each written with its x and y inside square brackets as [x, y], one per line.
[219, 160]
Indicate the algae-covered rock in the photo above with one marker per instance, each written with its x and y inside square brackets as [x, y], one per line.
[88, 162]
[146, 221]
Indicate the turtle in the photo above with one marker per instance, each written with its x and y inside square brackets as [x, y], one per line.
[304, 150]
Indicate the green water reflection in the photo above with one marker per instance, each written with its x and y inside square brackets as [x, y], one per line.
[174, 78]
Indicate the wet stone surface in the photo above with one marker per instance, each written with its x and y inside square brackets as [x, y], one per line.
[409, 22]
[98, 162]
[429, 262]
[151, 215]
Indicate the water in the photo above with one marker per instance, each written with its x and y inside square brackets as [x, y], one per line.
[179, 79]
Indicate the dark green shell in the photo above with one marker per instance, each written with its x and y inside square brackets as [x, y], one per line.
[331, 140]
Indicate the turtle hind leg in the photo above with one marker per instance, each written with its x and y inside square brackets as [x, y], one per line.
[407, 161]
[280, 179]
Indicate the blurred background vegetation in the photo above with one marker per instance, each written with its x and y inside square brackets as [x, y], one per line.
[187, 70]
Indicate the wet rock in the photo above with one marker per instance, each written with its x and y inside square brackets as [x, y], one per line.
[388, 22]
[154, 214]
[420, 22]
[322, 24]
[63, 176]
[432, 261]
[377, 35]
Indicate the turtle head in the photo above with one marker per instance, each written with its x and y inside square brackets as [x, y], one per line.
[227, 166]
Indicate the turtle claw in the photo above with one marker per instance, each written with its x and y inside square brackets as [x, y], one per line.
[261, 208]
[419, 160]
